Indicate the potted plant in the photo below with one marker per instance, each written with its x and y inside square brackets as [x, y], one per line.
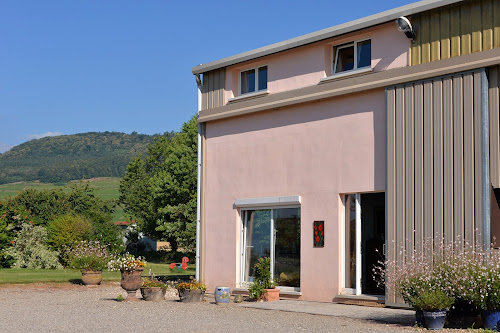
[263, 287]
[131, 269]
[91, 258]
[193, 291]
[153, 289]
[434, 304]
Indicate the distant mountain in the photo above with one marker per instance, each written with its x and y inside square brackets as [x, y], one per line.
[72, 157]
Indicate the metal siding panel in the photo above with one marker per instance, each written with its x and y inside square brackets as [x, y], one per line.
[419, 166]
[478, 194]
[494, 126]
[445, 33]
[428, 163]
[425, 39]
[455, 30]
[465, 28]
[448, 158]
[468, 158]
[496, 23]
[222, 86]
[391, 182]
[438, 158]
[458, 158]
[416, 46]
[210, 88]
[204, 92]
[409, 167]
[400, 171]
[435, 35]
[487, 22]
[476, 27]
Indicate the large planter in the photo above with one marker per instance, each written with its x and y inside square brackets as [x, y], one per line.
[131, 281]
[271, 295]
[434, 320]
[191, 295]
[91, 277]
[153, 294]
[222, 295]
[491, 319]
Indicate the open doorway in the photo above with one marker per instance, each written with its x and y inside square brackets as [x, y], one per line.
[364, 241]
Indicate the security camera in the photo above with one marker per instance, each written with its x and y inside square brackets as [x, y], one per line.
[404, 25]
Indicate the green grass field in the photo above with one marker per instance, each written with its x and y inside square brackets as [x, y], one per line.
[24, 275]
[105, 188]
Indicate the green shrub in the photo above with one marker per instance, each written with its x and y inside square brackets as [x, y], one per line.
[432, 300]
[68, 229]
[30, 249]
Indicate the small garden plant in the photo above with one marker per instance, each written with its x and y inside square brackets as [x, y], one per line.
[191, 286]
[262, 278]
[127, 262]
[89, 255]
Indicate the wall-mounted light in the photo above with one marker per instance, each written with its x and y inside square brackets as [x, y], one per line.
[404, 25]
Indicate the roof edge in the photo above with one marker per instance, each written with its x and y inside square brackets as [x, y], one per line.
[316, 36]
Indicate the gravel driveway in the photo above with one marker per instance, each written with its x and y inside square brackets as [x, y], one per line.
[75, 308]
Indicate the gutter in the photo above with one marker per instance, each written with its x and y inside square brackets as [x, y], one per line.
[198, 193]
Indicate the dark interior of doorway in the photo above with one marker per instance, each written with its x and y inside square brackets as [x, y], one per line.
[372, 239]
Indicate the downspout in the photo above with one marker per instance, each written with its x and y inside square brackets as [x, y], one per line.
[198, 194]
[486, 188]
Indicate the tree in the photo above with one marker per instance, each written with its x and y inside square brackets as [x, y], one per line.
[159, 189]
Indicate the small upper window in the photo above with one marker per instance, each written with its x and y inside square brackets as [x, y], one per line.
[253, 80]
[352, 56]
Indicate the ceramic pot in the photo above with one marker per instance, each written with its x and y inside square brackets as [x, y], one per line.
[222, 295]
[491, 319]
[91, 277]
[271, 295]
[131, 281]
[191, 295]
[153, 294]
[434, 320]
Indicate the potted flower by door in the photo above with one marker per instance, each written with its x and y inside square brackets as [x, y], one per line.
[152, 289]
[91, 258]
[263, 287]
[434, 304]
[131, 269]
[485, 292]
[193, 291]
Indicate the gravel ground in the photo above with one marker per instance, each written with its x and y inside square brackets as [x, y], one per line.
[75, 308]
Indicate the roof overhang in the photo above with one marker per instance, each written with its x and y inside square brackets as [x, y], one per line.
[337, 30]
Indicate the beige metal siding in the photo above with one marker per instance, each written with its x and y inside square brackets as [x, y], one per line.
[213, 89]
[494, 101]
[434, 158]
[454, 30]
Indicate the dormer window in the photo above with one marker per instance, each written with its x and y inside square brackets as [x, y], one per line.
[352, 56]
[253, 80]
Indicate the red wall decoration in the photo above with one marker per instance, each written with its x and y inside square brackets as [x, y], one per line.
[319, 233]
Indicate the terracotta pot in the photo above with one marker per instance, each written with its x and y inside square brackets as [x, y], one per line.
[191, 295]
[91, 278]
[131, 281]
[271, 295]
[154, 294]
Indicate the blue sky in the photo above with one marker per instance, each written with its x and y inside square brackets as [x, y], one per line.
[92, 66]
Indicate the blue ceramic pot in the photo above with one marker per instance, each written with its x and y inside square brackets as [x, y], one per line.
[222, 295]
[491, 319]
[434, 320]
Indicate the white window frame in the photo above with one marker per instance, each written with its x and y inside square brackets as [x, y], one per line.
[355, 67]
[256, 91]
[357, 290]
[270, 203]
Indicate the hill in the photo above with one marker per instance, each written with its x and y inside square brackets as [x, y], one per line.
[72, 157]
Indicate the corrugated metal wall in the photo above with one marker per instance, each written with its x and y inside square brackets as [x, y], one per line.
[470, 26]
[494, 99]
[213, 89]
[434, 162]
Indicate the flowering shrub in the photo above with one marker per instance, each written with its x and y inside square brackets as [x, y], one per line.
[191, 285]
[466, 272]
[128, 262]
[29, 249]
[89, 255]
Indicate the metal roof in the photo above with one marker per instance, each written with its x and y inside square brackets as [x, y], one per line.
[337, 30]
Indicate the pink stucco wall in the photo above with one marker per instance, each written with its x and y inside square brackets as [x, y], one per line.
[306, 65]
[318, 151]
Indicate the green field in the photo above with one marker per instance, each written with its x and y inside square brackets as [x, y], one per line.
[105, 188]
[24, 275]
